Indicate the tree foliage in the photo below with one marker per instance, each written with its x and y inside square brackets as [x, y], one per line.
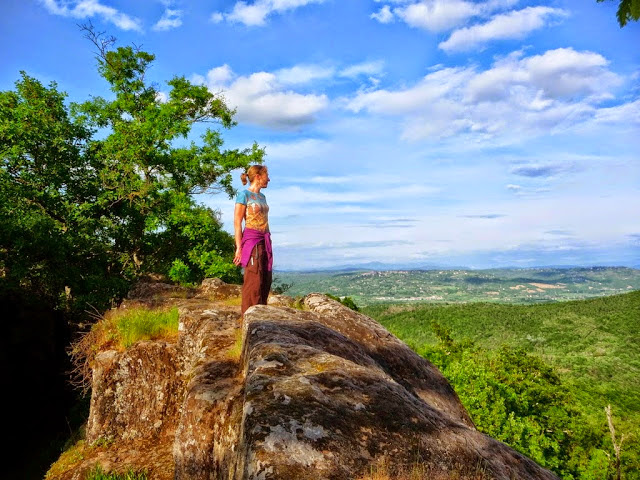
[346, 301]
[516, 398]
[96, 194]
[627, 10]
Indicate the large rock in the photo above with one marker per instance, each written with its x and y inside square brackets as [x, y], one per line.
[326, 398]
[134, 393]
[322, 393]
[212, 406]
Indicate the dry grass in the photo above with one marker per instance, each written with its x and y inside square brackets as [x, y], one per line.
[235, 352]
[233, 301]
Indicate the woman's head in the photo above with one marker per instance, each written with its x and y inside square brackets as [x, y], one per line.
[253, 172]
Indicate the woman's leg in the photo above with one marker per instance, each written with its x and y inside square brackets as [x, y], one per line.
[251, 287]
[265, 284]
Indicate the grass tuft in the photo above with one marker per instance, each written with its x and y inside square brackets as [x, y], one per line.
[143, 324]
[118, 330]
[235, 352]
[233, 301]
[99, 474]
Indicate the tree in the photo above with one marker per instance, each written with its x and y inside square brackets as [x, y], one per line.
[518, 399]
[627, 10]
[99, 193]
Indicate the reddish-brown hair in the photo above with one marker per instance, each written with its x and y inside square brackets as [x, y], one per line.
[251, 173]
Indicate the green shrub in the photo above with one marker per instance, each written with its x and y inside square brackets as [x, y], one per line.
[346, 301]
[180, 272]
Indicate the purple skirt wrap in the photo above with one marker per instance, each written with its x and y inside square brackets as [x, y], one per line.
[250, 238]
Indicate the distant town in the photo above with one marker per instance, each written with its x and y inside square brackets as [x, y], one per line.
[519, 286]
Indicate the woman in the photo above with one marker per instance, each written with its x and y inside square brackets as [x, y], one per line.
[253, 244]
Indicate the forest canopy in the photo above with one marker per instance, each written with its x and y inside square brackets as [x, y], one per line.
[94, 195]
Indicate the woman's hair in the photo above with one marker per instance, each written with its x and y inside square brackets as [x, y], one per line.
[251, 173]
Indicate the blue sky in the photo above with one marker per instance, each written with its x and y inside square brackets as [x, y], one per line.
[484, 133]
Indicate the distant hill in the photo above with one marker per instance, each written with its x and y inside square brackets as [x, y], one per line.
[520, 286]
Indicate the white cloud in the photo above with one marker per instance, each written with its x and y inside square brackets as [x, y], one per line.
[559, 73]
[627, 113]
[260, 98]
[433, 87]
[437, 15]
[216, 17]
[162, 97]
[301, 74]
[170, 19]
[90, 8]
[219, 75]
[515, 24]
[383, 15]
[365, 68]
[256, 14]
[556, 90]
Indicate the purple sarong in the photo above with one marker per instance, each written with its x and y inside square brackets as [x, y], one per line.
[250, 238]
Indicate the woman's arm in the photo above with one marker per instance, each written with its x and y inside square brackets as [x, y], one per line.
[238, 216]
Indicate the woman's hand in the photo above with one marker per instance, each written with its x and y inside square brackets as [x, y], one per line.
[238, 256]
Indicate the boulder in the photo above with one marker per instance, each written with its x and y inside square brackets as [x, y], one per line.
[134, 393]
[284, 393]
[325, 398]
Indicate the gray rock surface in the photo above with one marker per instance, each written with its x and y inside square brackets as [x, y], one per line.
[322, 393]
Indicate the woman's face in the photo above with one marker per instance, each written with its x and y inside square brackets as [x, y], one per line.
[263, 178]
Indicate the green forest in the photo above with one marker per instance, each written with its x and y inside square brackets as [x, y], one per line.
[539, 377]
[96, 194]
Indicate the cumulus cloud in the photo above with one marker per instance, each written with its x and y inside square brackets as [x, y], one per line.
[92, 8]
[446, 15]
[216, 17]
[170, 19]
[270, 99]
[262, 99]
[517, 95]
[383, 15]
[436, 15]
[515, 24]
[365, 68]
[256, 14]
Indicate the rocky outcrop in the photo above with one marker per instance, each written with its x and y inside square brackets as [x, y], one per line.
[323, 393]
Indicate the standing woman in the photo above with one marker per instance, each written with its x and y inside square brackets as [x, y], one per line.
[253, 244]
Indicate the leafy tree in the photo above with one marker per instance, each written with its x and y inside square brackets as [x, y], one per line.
[346, 301]
[49, 241]
[96, 194]
[627, 10]
[518, 399]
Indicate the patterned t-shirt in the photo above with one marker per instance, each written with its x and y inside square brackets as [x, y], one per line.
[257, 214]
